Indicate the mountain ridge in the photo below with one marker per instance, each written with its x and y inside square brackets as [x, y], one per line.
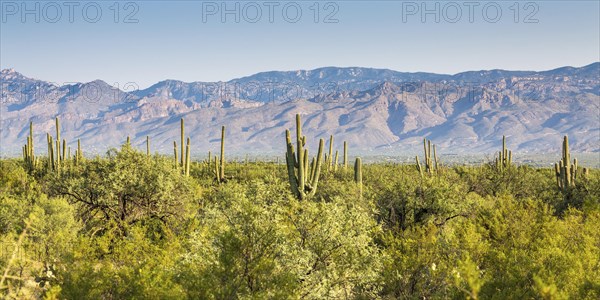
[373, 109]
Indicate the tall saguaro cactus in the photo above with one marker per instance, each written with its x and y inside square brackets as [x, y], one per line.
[175, 153]
[358, 173]
[303, 177]
[78, 153]
[345, 155]
[182, 141]
[220, 163]
[182, 159]
[329, 160]
[335, 163]
[431, 165]
[222, 158]
[28, 151]
[567, 173]
[504, 159]
[51, 160]
[58, 160]
[187, 158]
[58, 140]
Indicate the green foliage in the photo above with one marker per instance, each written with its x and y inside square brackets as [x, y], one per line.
[125, 188]
[139, 266]
[257, 241]
[133, 226]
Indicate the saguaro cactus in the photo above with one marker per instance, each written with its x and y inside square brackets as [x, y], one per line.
[187, 158]
[57, 143]
[175, 153]
[182, 141]
[79, 153]
[222, 158]
[147, 146]
[345, 155]
[182, 158]
[28, 151]
[51, 162]
[303, 178]
[567, 173]
[358, 173]
[435, 158]
[329, 160]
[419, 165]
[220, 163]
[335, 164]
[504, 159]
[431, 165]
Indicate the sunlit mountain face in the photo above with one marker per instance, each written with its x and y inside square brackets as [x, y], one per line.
[374, 110]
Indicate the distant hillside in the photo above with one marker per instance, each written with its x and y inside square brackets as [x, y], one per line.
[375, 110]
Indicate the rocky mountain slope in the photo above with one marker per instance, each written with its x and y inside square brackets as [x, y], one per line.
[376, 111]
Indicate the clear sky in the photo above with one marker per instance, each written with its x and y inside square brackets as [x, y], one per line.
[145, 42]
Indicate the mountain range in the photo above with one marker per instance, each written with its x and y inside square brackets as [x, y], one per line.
[376, 111]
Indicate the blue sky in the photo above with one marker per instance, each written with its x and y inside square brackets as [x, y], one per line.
[189, 40]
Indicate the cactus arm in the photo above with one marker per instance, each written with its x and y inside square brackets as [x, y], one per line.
[290, 158]
[330, 155]
[335, 164]
[222, 158]
[57, 142]
[345, 155]
[79, 153]
[435, 158]
[300, 151]
[217, 171]
[315, 180]
[306, 168]
[187, 158]
[313, 167]
[182, 133]
[429, 164]
[175, 152]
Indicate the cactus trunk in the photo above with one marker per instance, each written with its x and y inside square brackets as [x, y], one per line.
[175, 153]
[358, 174]
[182, 141]
[222, 158]
[303, 177]
[345, 155]
[187, 158]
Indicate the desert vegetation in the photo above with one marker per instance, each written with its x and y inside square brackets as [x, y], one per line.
[135, 225]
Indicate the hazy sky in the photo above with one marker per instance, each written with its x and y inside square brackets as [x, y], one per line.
[145, 42]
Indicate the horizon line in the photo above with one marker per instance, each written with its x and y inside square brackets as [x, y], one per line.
[12, 69]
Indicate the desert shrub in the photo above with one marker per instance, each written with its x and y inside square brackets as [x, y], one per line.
[125, 188]
[114, 267]
[258, 241]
